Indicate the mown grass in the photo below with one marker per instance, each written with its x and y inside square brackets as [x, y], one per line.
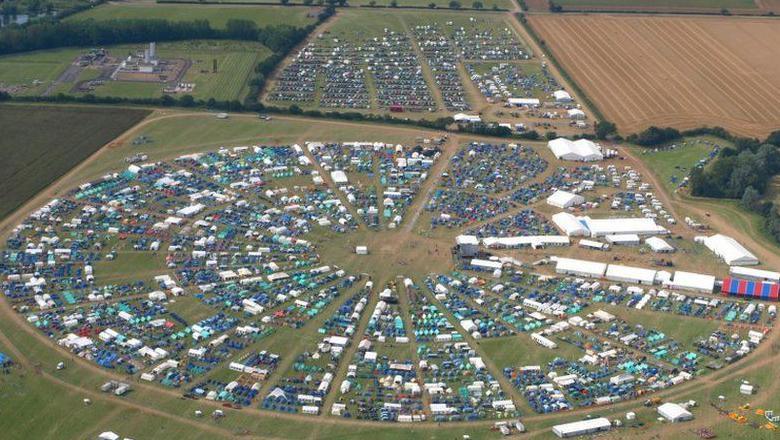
[217, 15]
[33, 72]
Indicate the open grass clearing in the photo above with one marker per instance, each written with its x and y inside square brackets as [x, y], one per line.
[217, 15]
[32, 73]
[673, 163]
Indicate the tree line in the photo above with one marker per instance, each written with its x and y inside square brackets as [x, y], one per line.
[55, 34]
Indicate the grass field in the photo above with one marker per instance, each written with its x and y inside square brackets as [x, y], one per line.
[217, 15]
[235, 60]
[39, 144]
[673, 165]
[34, 72]
[441, 4]
[487, 4]
[672, 71]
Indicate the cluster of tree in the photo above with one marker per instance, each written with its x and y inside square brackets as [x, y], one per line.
[744, 172]
[654, 136]
[733, 172]
[53, 34]
[772, 222]
[605, 130]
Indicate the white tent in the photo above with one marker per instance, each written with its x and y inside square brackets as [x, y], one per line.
[674, 412]
[582, 427]
[462, 117]
[535, 241]
[624, 239]
[693, 281]
[564, 199]
[520, 102]
[569, 225]
[629, 274]
[581, 150]
[730, 250]
[658, 244]
[562, 96]
[339, 177]
[756, 274]
[583, 268]
[612, 226]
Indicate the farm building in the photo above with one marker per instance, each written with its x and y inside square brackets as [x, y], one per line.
[729, 250]
[751, 289]
[674, 412]
[693, 281]
[569, 225]
[581, 150]
[613, 226]
[564, 199]
[755, 274]
[583, 427]
[628, 274]
[583, 268]
[659, 245]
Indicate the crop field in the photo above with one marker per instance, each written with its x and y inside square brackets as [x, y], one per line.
[42, 72]
[657, 5]
[681, 72]
[217, 15]
[39, 144]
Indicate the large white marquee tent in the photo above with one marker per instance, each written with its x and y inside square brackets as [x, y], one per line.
[581, 150]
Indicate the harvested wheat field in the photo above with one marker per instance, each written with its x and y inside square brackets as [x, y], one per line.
[682, 72]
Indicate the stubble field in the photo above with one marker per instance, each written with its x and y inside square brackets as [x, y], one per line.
[682, 72]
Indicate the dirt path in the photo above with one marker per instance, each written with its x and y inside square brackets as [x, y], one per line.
[270, 84]
[69, 75]
[434, 177]
[551, 67]
[427, 72]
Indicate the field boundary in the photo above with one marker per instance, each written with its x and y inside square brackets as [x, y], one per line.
[262, 3]
[598, 115]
